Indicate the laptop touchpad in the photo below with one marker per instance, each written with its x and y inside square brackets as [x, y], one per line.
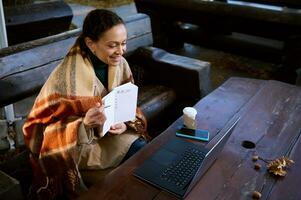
[164, 157]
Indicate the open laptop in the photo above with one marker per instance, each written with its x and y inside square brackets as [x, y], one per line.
[178, 164]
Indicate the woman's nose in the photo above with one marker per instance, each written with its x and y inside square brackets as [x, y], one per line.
[120, 50]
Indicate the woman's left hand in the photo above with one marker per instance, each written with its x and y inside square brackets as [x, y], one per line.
[117, 129]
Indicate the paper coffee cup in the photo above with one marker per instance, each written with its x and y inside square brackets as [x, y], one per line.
[189, 115]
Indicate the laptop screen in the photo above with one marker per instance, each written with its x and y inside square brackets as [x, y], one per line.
[213, 153]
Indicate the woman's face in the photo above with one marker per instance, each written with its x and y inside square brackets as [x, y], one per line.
[111, 45]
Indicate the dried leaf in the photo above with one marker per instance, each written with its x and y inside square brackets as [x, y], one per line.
[288, 161]
[279, 165]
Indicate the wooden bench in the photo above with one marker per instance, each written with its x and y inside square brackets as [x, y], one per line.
[167, 82]
[36, 20]
[267, 32]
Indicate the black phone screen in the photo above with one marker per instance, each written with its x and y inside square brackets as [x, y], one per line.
[194, 133]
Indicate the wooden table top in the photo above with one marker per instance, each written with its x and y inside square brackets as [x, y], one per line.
[270, 118]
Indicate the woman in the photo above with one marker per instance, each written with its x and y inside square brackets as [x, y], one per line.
[64, 128]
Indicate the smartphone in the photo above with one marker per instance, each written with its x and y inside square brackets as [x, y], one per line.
[196, 134]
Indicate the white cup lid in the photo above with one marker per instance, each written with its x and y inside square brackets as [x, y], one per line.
[190, 111]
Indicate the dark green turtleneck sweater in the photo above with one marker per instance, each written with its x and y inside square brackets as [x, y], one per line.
[101, 69]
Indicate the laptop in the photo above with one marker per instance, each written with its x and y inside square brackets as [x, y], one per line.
[178, 165]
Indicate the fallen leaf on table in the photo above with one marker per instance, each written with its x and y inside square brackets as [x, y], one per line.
[279, 165]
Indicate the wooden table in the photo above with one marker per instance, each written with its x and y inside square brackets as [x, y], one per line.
[270, 118]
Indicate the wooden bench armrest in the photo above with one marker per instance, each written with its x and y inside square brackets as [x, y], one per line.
[189, 77]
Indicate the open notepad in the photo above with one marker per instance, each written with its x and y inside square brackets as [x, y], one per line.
[120, 105]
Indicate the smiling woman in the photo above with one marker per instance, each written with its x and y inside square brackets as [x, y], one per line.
[111, 46]
[64, 128]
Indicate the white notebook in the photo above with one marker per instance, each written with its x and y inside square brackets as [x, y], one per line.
[120, 105]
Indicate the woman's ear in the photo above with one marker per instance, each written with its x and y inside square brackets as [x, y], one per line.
[90, 44]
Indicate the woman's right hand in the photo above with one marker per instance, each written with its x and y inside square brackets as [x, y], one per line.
[95, 117]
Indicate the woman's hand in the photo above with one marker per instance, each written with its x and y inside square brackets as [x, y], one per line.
[117, 129]
[95, 117]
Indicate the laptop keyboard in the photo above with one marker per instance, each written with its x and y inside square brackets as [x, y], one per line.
[183, 169]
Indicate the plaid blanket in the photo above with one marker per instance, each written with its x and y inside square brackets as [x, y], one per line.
[52, 127]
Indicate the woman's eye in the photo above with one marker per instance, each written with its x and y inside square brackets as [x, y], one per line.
[116, 45]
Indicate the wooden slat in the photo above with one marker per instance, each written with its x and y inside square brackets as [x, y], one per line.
[16, 15]
[25, 84]
[39, 42]
[284, 3]
[36, 20]
[189, 8]
[219, 17]
[34, 58]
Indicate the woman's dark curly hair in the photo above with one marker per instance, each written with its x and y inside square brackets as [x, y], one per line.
[96, 23]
